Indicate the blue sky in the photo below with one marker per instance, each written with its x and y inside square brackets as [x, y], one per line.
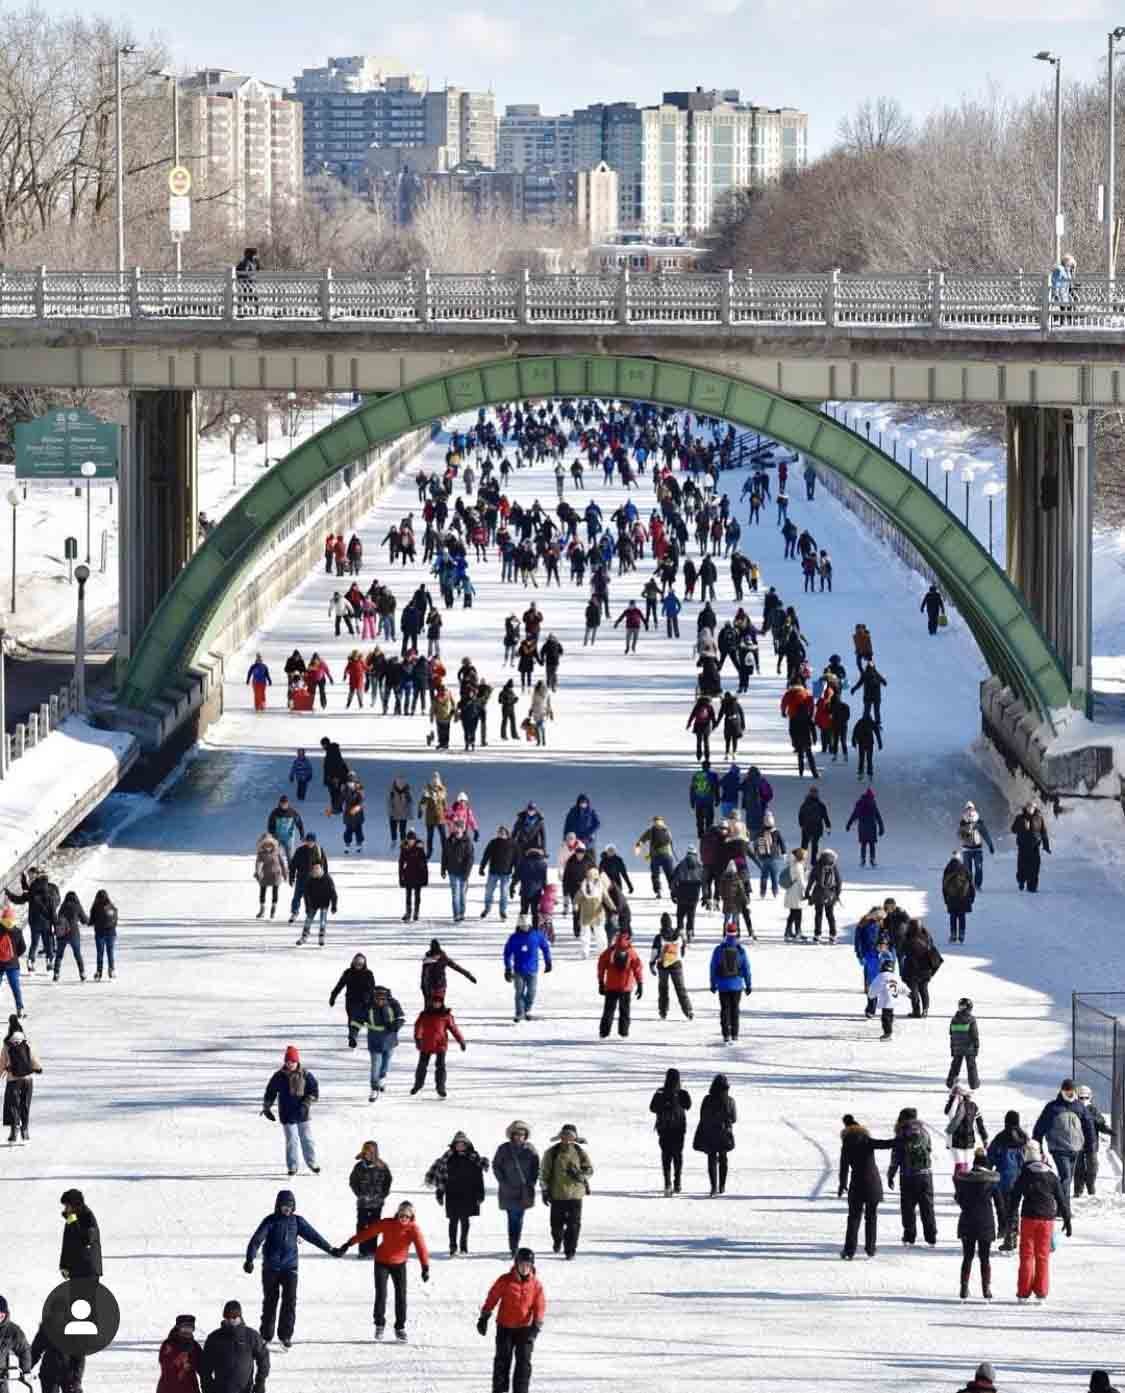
[820, 55]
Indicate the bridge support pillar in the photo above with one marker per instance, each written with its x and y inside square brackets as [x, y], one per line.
[1050, 536]
[158, 505]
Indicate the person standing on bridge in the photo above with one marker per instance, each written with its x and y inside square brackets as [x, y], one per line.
[258, 677]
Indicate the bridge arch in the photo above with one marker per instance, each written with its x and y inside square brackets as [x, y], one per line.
[1010, 639]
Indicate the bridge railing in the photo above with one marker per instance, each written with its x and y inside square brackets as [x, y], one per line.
[928, 301]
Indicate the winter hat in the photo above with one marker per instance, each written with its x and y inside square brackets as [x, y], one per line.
[460, 1136]
[1011, 1118]
[435, 946]
[1032, 1151]
[8, 917]
[517, 1126]
[849, 1121]
[1099, 1382]
[232, 1308]
[964, 1004]
[1066, 1084]
[985, 1371]
[731, 929]
[74, 1198]
[568, 1129]
[768, 820]
[525, 1255]
[4, 1306]
[523, 922]
[292, 1054]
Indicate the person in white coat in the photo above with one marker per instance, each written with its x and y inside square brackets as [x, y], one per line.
[589, 903]
[884, 989]
[797, 874]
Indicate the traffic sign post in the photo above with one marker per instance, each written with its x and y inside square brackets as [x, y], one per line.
[56, 446]
[179, 181]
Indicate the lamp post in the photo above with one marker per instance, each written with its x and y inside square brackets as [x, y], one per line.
[290, 398]
[171, 77]
[867, 424]
[14, 501]
[81, 575]
[119, 127]
[3, 706]
[910, 445]
[928, 456]
[967, 480]
[1045, 56]
[948, 465]
[992, 491]
[235, 422]
[89, 470]
[1111, 147]
[894, 445]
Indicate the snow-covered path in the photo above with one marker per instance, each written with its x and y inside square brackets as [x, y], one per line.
[153, 1083]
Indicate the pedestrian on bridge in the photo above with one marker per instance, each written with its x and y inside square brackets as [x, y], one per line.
[258, 677]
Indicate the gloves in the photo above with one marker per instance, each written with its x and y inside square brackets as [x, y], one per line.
[471, 978]
[425, 1274]
[640, 990]
[65, 1274]
[268, 1112]
[476, 835]
[340, 1251]
[536, 1328]
[601, 990]
[546, 967]
[890, 1181]
[714, 990]
[247, 1266]
[443, 872]
[482, 1325]
[748, 991]
[507, 974]
[1067, 1229]
[462, 1047]
[840, 1193]
[351, 1042]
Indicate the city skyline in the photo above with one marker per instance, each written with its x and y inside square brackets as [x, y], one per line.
[634, 51]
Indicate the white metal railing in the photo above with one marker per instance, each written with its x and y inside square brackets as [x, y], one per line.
[39, 724]
[928, 301]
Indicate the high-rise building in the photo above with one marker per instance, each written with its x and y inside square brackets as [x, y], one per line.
[596, 206]
[242, 140]
[359, 101]
[611, 131]
[527, 139]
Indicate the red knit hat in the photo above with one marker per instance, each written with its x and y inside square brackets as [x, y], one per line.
[292, 1053]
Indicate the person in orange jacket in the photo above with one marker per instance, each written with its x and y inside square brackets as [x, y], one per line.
[432, 1029]
[355, 670]
[618, 968]
[520, 1305]
[394, 1238]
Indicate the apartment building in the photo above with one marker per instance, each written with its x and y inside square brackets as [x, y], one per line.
[526, 139]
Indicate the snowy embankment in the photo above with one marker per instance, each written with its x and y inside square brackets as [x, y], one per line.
[151, 1098]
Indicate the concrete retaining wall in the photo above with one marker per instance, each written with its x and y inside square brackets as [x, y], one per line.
[1022, 742]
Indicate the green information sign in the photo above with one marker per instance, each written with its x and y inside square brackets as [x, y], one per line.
[57, 445]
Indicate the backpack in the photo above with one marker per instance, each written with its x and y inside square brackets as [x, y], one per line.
[671, 1116]
[19, 1058]
[701, 785]
[728, 962]
[763, 844]
[969, 834]
[918, 1151]
[826, 877]
[670, 952]
[785, 879]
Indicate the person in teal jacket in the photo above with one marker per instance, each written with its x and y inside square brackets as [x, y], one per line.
[730, 976]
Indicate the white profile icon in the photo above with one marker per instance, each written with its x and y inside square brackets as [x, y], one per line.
[82, 1324]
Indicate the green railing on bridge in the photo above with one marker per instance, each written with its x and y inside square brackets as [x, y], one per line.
[1011, 641]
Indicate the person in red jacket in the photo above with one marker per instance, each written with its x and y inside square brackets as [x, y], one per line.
[634, 617]
[520, 1305]
[329, 552]
[432, 1029]
[618, 968]
[702, 721]
[355, 670]
[179, 1358]
[394, 1238]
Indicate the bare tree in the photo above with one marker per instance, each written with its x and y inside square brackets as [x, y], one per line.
[876, 125]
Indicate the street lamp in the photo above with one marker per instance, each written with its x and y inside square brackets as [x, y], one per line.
[911, 444]
[123, 52]
[3, 706]
[967, 480]
[14, 500]
[171, 77]
[89, 469]
[948, 465]
[928, 456]
[81, 575]
[291, 397]
[1115, 35]
[235, 422]
[1045, 56]
[992, 491]
[867, 424]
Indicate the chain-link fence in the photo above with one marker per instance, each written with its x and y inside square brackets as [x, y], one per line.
[1098, 1057]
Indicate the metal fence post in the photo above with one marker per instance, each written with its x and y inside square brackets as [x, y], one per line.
[135, 293]
[326, 296]
[523, 286]
[40, 292]
[1045, 304]
[45, 726]
[422, 303]
[623, 295]
[937, 299]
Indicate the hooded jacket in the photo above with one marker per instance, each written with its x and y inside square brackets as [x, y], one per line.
[812, 816]
[518, 1301]
[277, 1236]
[964, 1038]
[825, 884]
[81, 1253]
[859, 1174]
[867, 817]
[458, 1178]
[1037, 1193]
[981, 1201]
[582, 820]
[1005, 1154]
[433, 1028]
[563, 1175]
[358, 985]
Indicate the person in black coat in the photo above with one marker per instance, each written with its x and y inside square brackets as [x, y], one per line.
[357, 982]
[860, 1180]
[1030, 832]
[81, 1254]
[714, 1132]
[335, 770]
[58, 1372]
[458, 1180]
[413, 873]
[981, 1201]
[671, 1105]
[235, 1358]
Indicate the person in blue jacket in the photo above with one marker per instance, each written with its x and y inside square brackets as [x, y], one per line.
[671, 606]
[521, 964]
[583, 821]
[277, 1237]
[730, 976]
[730, 786]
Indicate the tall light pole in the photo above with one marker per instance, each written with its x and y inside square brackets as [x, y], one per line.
[3, 706]
[967, 480]
[291, 398]
[89, 469]
[992, 491]
[948, 465]
[119, 123]
[929, 455]
[81, 575]
[1045, 56]
[235, 422]
[1115, 35]
[171, 77]
[14, 501]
